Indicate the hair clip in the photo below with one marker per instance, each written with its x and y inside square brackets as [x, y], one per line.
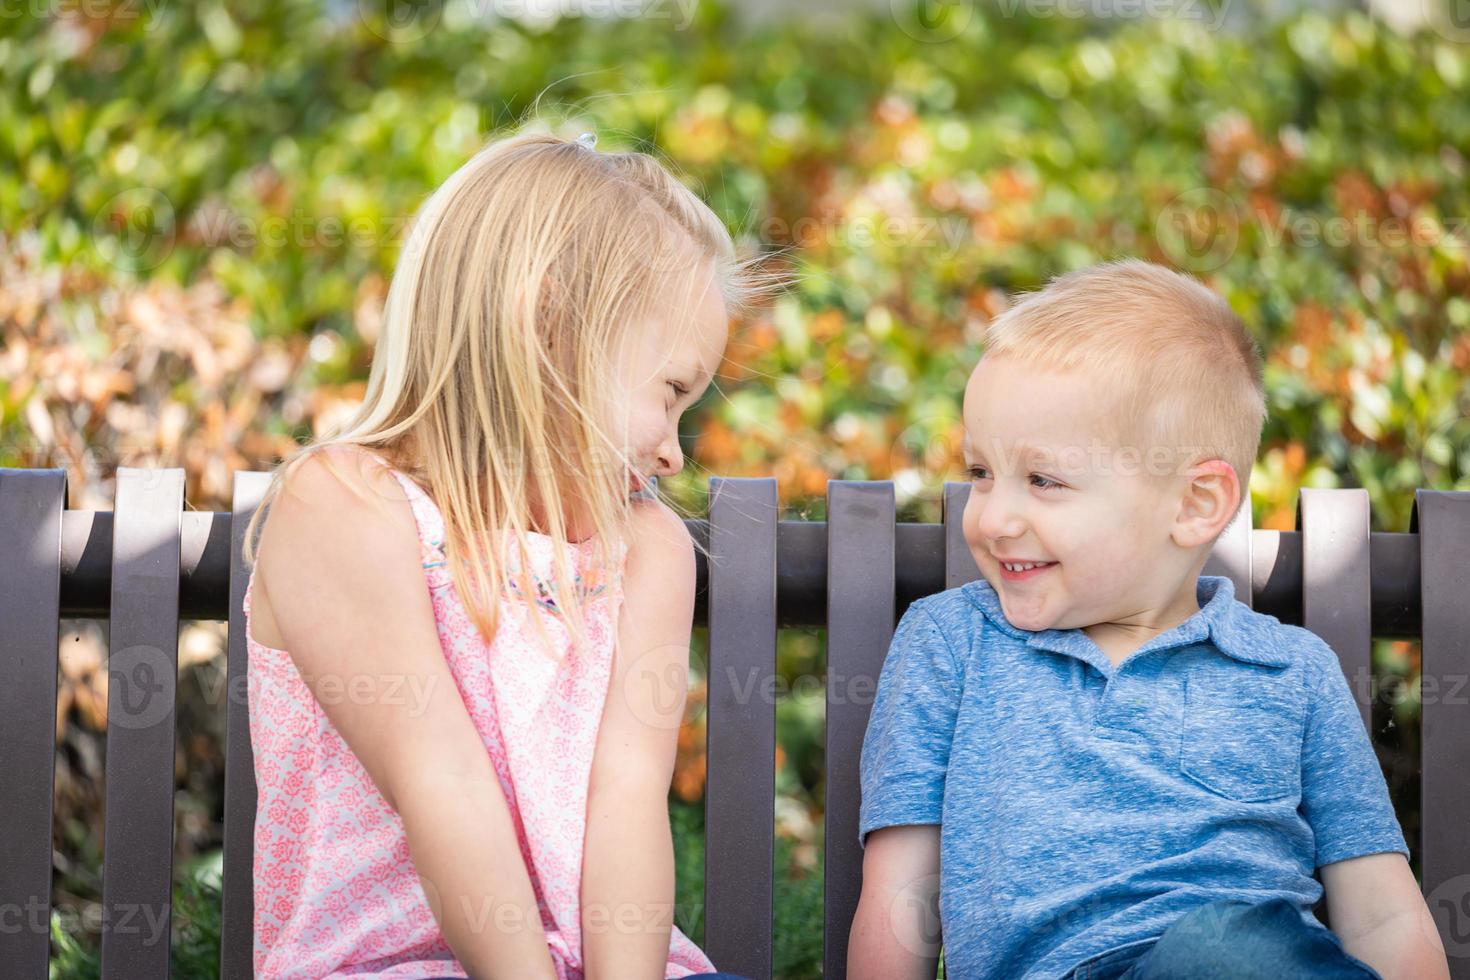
[588, 140]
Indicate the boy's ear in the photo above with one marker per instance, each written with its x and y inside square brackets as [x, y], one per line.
[1212, 495]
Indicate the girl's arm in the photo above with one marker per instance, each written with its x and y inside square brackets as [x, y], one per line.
[627, 895]
[348, 597]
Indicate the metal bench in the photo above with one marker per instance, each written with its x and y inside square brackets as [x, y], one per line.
[150, 563]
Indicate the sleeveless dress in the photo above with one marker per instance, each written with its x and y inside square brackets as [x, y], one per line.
[336, 894]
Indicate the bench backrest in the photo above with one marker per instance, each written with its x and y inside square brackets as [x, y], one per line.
[149, 563]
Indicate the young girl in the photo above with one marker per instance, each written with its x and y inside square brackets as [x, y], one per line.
[467, 622]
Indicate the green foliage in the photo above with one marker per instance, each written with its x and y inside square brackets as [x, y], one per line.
[919, 183]
[797, 925]
[71, 959]
[194, 947]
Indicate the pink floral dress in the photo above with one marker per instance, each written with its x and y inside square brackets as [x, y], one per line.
[336, 894]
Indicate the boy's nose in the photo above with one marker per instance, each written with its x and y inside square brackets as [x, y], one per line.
[999, 518]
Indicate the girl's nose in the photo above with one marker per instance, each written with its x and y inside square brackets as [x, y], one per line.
[670, 458]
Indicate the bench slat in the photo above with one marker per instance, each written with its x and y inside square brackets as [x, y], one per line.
[142, 675]
[1276, 574]
[861, 595]
[1336, 588]
[1337, 592]
[959, 564]
[1442, 520]
[1231, 555]
[237, 903]
[31, 505]
[740, 795]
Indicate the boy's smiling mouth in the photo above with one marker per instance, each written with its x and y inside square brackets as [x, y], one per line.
[1023, 571]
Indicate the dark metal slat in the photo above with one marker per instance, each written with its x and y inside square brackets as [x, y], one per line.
[86, 564]
[1442, 519]
[1336, 586]
[237, 906]
[142, 675]
[801, 570]
[740, 796]
[31, 505]
[959, 563]
[1231, 555]
[861, 596]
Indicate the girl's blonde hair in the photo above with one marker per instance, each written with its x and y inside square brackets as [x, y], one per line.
[525, 276]
[1182, 374]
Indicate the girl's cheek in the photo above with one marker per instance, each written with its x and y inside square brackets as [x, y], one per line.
[643, 422]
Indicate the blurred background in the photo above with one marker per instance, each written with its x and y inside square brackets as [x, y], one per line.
[201, 203]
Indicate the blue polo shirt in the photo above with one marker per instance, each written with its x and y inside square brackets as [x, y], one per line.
[1085, 807]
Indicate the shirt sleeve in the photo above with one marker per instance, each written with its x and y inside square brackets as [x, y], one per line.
[1344, 795]
[906, 745]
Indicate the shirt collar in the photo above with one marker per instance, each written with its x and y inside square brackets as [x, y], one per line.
[1221, 619]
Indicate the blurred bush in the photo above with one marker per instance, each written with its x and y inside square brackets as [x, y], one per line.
[201, 205]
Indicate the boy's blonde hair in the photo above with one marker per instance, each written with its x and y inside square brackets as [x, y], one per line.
[1181, 373]
[494, 380]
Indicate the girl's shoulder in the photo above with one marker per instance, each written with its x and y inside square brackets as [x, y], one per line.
[656, 524]
[339, 480]
[337, 511]
[658, 543]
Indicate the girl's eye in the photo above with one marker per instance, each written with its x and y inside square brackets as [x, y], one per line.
[978, 472]
[679, 390]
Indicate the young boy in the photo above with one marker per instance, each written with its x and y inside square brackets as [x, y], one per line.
[1103, 763]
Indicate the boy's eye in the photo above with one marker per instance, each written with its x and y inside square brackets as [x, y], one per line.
[1041, 482]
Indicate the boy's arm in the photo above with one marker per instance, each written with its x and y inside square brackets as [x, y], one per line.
[1373, 901]
[895, 933]
[904, 762]
[1379, 914]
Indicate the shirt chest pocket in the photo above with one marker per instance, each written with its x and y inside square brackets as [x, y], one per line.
[1242, 733]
